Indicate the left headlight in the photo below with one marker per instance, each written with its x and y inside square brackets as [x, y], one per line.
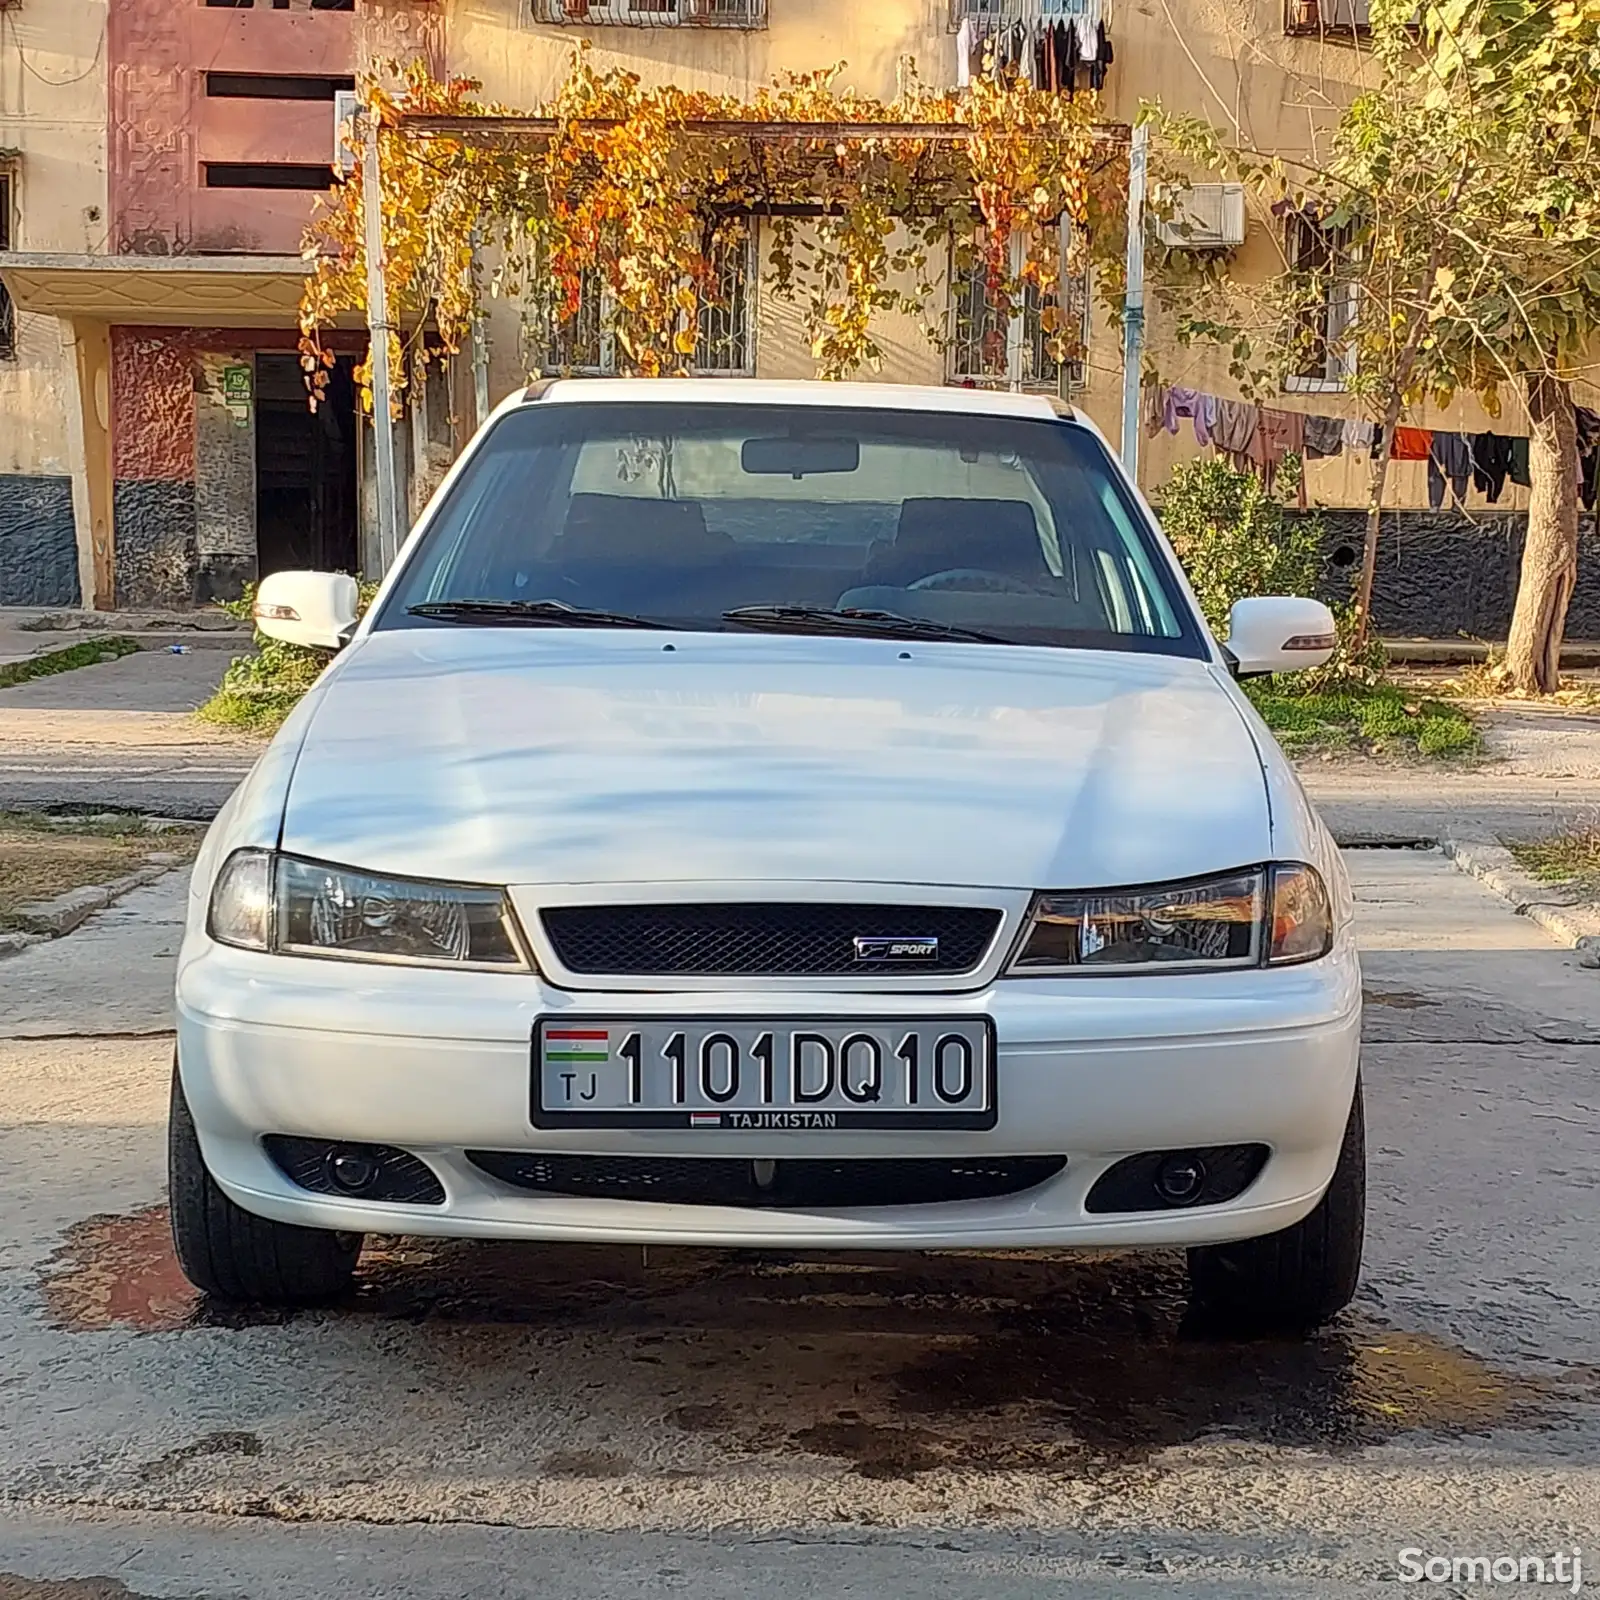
[1265, 916]
[263, 901]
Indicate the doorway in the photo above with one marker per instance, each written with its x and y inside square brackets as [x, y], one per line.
[307, 510]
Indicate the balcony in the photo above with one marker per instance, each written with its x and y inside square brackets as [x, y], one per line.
[651, 13]
[1017, 10]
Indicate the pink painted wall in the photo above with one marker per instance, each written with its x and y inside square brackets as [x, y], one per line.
[163, 127]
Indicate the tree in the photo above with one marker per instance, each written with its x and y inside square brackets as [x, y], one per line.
[1461, 190]
[863, 202]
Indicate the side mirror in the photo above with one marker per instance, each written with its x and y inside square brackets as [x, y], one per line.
[317, 609]
[1279, 633]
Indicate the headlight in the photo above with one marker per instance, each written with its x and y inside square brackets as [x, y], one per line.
[267, 902]
[1265, 916]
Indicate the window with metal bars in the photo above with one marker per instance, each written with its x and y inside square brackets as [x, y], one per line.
[651, 13]
[994, 350]
[8, 312]
[1320, 257]
[584, 346]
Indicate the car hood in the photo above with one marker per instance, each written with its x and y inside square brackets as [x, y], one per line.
[525, 756]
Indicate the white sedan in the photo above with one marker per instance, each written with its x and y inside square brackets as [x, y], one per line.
[805, 817]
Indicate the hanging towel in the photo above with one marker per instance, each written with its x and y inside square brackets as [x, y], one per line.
[1519, 463]
[1411, 444]
[1359, 435]
[1449, 460]
[1324, 437]
[964, 43]
[1233, 430]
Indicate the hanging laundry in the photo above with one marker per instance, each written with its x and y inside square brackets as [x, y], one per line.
[1155, 409]
[1449, 459]
[1279, 434]
[1102, 58]
[1233, 430]
[1588, 457]
[1411, 444]
[1519, 464]
[1324, 437]
[1491, 464]
[966, 37]
[1192, 403]
[1359, 435]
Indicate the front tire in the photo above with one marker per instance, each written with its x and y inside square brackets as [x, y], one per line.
[233, 1254]
[1300, 1277]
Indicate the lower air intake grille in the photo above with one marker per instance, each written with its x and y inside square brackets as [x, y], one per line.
[783, 939]
[709, 1181]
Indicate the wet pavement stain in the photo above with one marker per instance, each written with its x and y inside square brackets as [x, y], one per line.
[225, 1442]
[1397, 999]
[895, 1365]
[586, 1464]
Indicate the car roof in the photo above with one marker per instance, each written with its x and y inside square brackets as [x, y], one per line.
[797, 392]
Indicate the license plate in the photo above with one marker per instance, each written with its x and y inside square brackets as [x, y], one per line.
[788, 1074]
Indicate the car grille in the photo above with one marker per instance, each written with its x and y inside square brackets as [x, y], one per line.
[710, 1181]
[798, 939]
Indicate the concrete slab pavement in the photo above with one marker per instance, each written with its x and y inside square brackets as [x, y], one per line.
[591, 1423]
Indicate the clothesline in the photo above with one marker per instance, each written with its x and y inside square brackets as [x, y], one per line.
[1257, 438]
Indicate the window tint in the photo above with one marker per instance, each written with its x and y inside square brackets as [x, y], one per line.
[681, 513]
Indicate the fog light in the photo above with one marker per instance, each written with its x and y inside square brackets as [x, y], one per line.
[353, 1171]
[1179, 1179]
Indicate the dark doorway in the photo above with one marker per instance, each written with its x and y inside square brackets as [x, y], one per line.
[306, 505]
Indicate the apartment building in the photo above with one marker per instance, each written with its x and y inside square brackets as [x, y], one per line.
[159, 160]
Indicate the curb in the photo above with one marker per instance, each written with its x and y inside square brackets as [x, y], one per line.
[52, 919]
[1574, 922]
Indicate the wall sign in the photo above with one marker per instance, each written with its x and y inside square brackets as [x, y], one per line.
[238, 394]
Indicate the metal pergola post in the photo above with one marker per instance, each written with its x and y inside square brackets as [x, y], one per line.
[1133, 303]
[379, 328]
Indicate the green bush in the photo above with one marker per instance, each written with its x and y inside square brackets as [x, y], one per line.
[1235, 539]
[258, 691]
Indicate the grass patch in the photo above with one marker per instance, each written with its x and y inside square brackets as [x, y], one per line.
[89, 653]
[257, 692]
[1381, 719]
[1563, 858]
[41, 856]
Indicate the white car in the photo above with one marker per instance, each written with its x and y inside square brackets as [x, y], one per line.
[795, 816]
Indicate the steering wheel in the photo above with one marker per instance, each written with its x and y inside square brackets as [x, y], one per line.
[973, 579]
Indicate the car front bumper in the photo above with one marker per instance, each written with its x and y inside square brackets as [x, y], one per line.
[437, 1063]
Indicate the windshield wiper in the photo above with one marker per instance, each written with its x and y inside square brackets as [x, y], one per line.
[531, 613]
[854, 619]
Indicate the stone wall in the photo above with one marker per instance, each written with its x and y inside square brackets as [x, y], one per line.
[38, 541]
[1442, 574]
[152, 455]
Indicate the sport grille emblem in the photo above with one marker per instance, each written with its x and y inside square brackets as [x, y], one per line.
[878, 949]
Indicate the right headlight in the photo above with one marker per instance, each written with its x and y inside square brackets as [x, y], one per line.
[1262, 916]
[264, 901]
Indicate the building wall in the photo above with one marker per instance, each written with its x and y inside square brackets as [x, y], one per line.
[52, 122]
[1229, 60]
[165, 129]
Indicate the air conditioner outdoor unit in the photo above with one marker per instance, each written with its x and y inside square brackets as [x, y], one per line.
[346, 102]
[1346, 13]
[1207, 216]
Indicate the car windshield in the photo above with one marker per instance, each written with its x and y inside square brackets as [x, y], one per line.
[728, 516]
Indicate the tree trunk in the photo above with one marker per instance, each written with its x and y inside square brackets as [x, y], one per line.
[1369, 545]
[1550, 554]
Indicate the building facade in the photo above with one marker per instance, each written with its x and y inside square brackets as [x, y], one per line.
[160, 159]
